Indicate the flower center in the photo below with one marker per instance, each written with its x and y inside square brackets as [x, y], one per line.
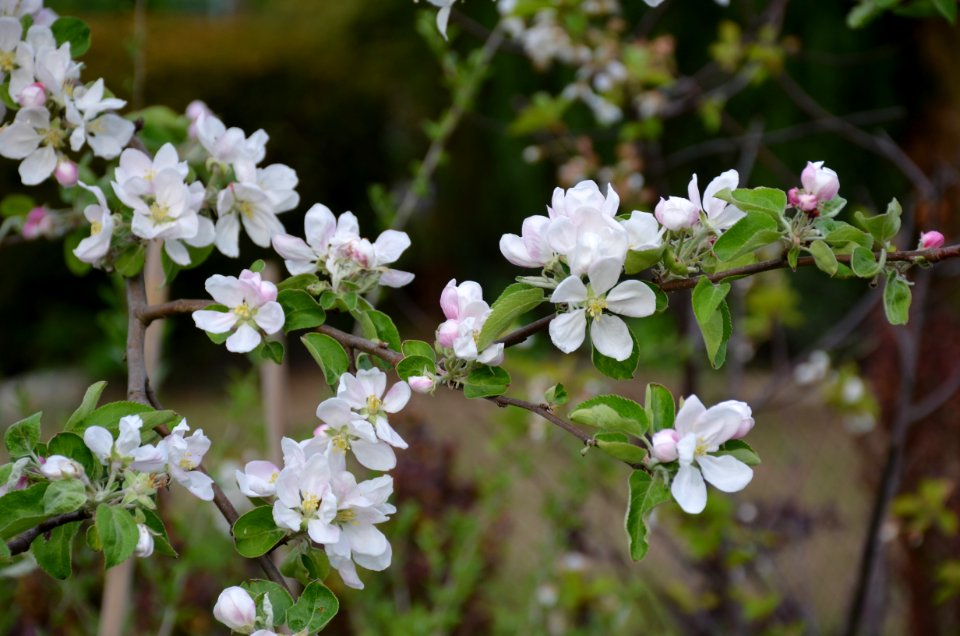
[273, 478]
[245, 208]
[310, 504]
[7, 59]
[159, 213]
[243, 311]
[150, 174]
[52, 137]
[701, 448]
[95, 228]
[373, 404]
[186, 462]
[595, 306]
[341, 441]
[345, 516]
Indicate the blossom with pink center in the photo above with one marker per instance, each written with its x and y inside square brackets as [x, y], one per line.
[39, 222]
[466, 313]
[665, 445]
[422, 383]
[251, 309]
[364, 393]
[802, 200]
[531, 248]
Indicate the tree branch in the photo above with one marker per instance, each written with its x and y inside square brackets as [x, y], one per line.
[21, 543]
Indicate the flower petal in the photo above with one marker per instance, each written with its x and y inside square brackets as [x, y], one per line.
[632, 298]
[604, 274]
[270, 317]
[245, 339]
[725, 472]
[688, 415]
[611, 337]
[689, 490]
[397, 397]
[568, 330]
[570, 290]
[215, 321]
[375, 455]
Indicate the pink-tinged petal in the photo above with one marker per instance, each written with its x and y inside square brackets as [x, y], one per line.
[693, 192]
[293, 248]
[352, 391]
[286, 517]
[386, 433]
[725, 472]
[269, 317]
[665, 445]
[335, 411]
[728, 217]
[746, 416]
[395, 278]
[450, 300]
[689, 490]
[244, 339]
[319, 226]
[515, 251]
[611, 337]
[397, 397]
[570, 290]
[568, 330]
[604, 274]
[321, 532]
[389, 246]
[215, 321]
[632, 298]
[226, 290]
[375, 455]
[447, 333]
[38, 166]
[687, 416]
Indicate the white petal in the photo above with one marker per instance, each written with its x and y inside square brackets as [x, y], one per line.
[200, 484]
[100, 441]
[270, 317]
[611, 337]
[365, 539]
[514, 250]
[285, 517]
[245, 339]
[114, 133]
[18, 140]
[177, 252]
[322, 532]
[390, 245]
[687, 416]
[226, 290]
[397, 397]
[725, 472]
[228, 235]
[395, 278]
[689, 490]
[386, 433]
[568, 330]
[374, 455]
[604, 274]
[375, 562]
[38, 166]
[632, 298]
[570, 290]
[334, 411]
[214, 321]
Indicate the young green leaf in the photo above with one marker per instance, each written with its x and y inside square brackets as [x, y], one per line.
[863, 263]
[23, 436]
[418, 348]
[108, 416]
[769, 201]
[557, 395]
[315, 608]
[415, 365]
[22, 509]
[53, 550]
[751, 232]
[660, 408]
[486, 382]
[300, 310]
[824, 257]
[63, 496]
[255, 532]
[637, 261]
[713, 316]
[89, 403]
[328, 354]
[646, 493]
[612, 413]
[161, 542]
[280, 599]
[384, 329]
[118, 534]
[896, 300]
[741, 450]
[618, 446]
[516, 300]
[272, 350]
[884, 226]
[74, 31]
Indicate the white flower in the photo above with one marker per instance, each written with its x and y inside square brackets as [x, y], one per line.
[345, 430]
[136, 172]
[720, 214]
[531, 248]
[10, 33]
[34, 139]
[251, 303]
[643, 231]
[586, 194]
[302, 499]
[588, 236]
[144, 541]
[350, 256]
[57, 467]
[230, 145]
[236, 609]
[126, 449]
[677, 213]
[105, 132]
[610, 335]
[39, 59]
[20, 8]
[307, 257]
[258, 479]
[364, 393]
[184, 455]
[247, 204]
[466, 313]
[701, 432]
[93, 248]
[468, 335]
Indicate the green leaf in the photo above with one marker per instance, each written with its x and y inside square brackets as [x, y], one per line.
[741, 450]
[74, 31]
[713, 316]
[639, 260]
[89, 403]
[257, 266]
[130, 261]
[272, 350]
[646, 493]
[612, 413]
[824, 257]
[751, 232]
[16, 205]
[300, 281]
[255, 532]
[661, 410]
[863, 263]
[415, 365]
[386, 331]
[896, 300]
[161, 542]
[280, 599]
[300, 310]
[411, 348]
[53, 550]
[662, 300]
[162, 125]
[516, 300]
[947, 8]
[118, 534]
[153, 419]
[769, 201]
[315, 608]
[882, 227]
[618, 369]
[71, 445]
[23, 436]
[70, 243]
[108, 416]
[5, 555]
[329, 354]
[840, 234]
[831, 208]
[22, 509]
[486, 381]
[557, 395]
[792, 257]
[618, 446]
[65, 495]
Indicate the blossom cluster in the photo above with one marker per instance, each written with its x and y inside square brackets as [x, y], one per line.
[316, 494]
[466, 312]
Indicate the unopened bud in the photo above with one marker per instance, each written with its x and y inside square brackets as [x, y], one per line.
[144, 542]
[931, 240]
[33, 96]
[38, 223]
[56, 467]
[665, 445]
[66, 173]
[421, 383]
[820, 181]
[236, 609]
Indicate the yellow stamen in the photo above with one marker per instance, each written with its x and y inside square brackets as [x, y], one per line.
[159, 213]
[7, 60]
[310, 504]
[245, 208]
[243, 311]
[595, 306]
[345, 516]
[95, 228]
[373, 404]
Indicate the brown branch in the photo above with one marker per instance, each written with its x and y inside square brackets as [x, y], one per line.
[350, 341]
[164, 310]
[543, 411]
[21, 543]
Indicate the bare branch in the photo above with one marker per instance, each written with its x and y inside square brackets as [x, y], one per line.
[21, 543]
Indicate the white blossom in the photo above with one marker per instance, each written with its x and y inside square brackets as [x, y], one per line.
[258, 479]
[236, 609]
[106, 133]
[56, 467]
[347, 431]
[126, 449]
[251, 307]
[34, 139]
[183, 457]
[93, 248]
[364, 393]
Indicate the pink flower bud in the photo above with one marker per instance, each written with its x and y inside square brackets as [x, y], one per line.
[33, 96]
[421, 383]
[665, 445]
[236, 609]
[38, 223]
[819, 181]
[677, 213]
[66, 173]
[746, 416]
[448, 332]
[450, 301]
[931, 240]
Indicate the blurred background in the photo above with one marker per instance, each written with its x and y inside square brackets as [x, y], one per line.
[502, 526]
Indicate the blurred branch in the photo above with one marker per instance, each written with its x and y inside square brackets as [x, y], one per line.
[21, 543]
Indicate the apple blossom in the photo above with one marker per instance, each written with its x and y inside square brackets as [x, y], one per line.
[39, 59]
[586, 194]
[230, 145]
[19, 8]
[665, 445]
[246, 204]
[126, 449]
[720, 214]
[677, 213]
[820, 181]
[251, 307]
[34, 95]
[195, 110]
[106, 133]
[643, 231]
[236, 609]
[136, 172]
[11, 30]
[183, 456]
[351, 256]
[931, 240]
[531, 248]
[466, 312]
[93, 248]
[701, 433]
[34, 139]
[609, 334]
[422, 383]
[57, 467]
[801, 200]
[346, 430]
[746, 416]
[38, 222]
[364, 393]
[258, 479]
[303, 499]
[144, 541]
[66, 173]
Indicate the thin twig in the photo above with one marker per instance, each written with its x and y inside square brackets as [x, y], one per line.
[21, 543]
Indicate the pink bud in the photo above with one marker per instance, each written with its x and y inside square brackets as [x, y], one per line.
[665, 445]
[66, 173]
[236, 609]
[931, 240]
[450, 300]
[746, 416]
[676, 213]
[38, 223]
[793, 197]
[421, 383]
[33, 96]
[448, 332]
[820, 181]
